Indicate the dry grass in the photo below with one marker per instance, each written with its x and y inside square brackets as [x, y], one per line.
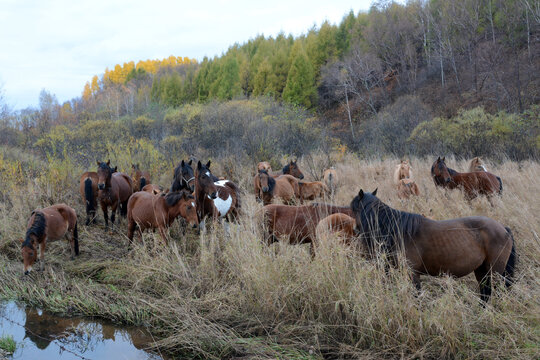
[215, 296]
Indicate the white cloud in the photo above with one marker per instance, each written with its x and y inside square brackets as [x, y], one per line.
[61, 44]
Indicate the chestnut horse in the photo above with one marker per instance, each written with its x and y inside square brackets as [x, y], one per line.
[140, 178]
[284, 187]
[290, 169]
[150, 211]
[218, 199]
[476, 165]
[89, 193]
[473, 184]
[406, 188]
[312, 190]
[298, 223]
[114, 189]
[264, 165]
[456, 247]
[403, 171]
[340, 224]
[45, 225]
[184, 177]
[153, 189]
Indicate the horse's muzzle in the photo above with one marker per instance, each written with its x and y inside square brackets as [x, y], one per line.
[27, 272]
[301, 176]
[101, 186]
[447, 180]
[213, 195]
[265, 189]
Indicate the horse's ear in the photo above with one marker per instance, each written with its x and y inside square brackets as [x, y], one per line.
[132, 166]
[182, 163]
[444, 158]
[438, 159]
[374, 193]
[199, 165]
[361, 194]
[190, 161]
[97, 162]
[208, 164]
[108, 162]
[115, 169]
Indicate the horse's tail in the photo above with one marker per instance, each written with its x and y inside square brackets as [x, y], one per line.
[76, 239]
[142, 183]
[237, 191]
[89, 196]
[123, 208]
[500, 185]
[511, 263]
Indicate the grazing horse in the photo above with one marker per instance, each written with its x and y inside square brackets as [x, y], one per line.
[284, 187]
[140, 178]
[153, 189]
[473, 184]
[340, 224]
[184, 177]
[218, 199]
[298, 223]
[312, 190]
[45, 225]
[114, 189]
[89, 193]
[456, 247]
[330, 177]
[476, 165]
[150, 211]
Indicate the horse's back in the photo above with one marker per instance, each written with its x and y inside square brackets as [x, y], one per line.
[140, 206]
[60, 218]
[125, 185]
[337, 223]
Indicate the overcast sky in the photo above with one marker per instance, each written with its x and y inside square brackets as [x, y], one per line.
[60, 44]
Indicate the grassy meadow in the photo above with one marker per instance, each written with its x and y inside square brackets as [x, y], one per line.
[218, 296]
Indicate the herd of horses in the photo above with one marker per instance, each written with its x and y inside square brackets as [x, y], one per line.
[456, 247]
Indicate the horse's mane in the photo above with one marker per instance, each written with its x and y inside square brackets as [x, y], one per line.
[286, 169]
[271, 182]
[382, 222]
[37, 228]
[172, 198]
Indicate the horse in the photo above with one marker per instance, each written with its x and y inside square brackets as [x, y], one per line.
[473, 184]
[476, 165]
[403, 171]
[264, 165]
[45, 225]
[456, 247]
[339, 224]
[312, 190]
[150, 211]
[330, 177]
[140, 178]
[290, 169]
[406, 188]
[153, 189]
[114, 189]
[89, 193]
[184, 177]
[298, 223]
[284, 187]
[218, 199]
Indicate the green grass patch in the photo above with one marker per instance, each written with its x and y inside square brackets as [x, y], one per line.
[8, 344]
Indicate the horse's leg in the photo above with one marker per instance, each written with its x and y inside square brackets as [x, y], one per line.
[114, 207]
[105, 215]
[131, 229]
[483, 276]
[69, 238]
[415, 278]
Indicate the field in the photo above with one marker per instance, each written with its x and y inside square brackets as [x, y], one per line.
[218, 296]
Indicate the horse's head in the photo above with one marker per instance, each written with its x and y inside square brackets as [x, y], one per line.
[404, 170]
[135, 171]
[184, 204]
[264, 165]
[204, 182]
[440, 171]
[104, 173]
[292, 169]
[188, 176]
[29, 253]
[265, 181]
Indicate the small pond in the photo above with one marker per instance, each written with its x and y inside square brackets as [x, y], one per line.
[43, 336]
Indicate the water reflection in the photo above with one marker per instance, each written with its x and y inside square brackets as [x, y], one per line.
[40, 335]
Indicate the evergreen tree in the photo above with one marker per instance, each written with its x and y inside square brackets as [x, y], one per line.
[300, 88]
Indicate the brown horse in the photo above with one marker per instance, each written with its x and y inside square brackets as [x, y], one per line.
[152, 189]
[406, 188]
[456, 247]
[312, 190]
[89, 193]
[340, 224]
[264, 165]
[476, 165]
[473, 184]
[290, 169]
[140, 178]
[331, 178]
[184, 177]
[114, 189]
[298, 223]
[403, 171]
[284, 187]
[149, 211]
[218, 199]
[45, 225]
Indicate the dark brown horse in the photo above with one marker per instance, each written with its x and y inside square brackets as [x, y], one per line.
[114, 190]
[298, 223]
[184, 177]
[290, 169]
[46, 225]
[217, 199]
[456, 247]
[89, 193]
[149, 211]
[140, 178]
[284, 187]
[473, 184]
